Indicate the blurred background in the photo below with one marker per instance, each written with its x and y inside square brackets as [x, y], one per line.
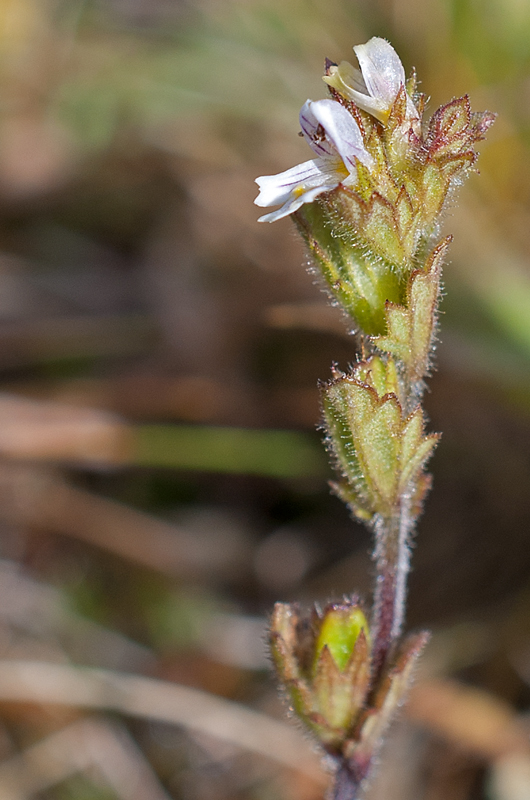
[162, 481]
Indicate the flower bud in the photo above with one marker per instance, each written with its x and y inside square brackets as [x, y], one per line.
[339, 631]
[324, 665]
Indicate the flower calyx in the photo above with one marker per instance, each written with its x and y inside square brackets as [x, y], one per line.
[378, 449]
[323, 660]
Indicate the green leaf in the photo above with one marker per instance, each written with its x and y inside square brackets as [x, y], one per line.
[410, 327]
[360, 277]
[364, 437]
[416, 448]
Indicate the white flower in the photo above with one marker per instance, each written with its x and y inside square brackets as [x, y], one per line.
[334, 136]
[375, 86]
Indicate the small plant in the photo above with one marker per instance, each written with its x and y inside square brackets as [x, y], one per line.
[368, 206]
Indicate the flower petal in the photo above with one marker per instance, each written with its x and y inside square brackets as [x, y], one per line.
[345, 78]
[334, 135]
[310, 126]
[278, 188]
[348, 82]
[298, 185]
[296, 202]
[376, 88]
[344, 133]
[382, 69]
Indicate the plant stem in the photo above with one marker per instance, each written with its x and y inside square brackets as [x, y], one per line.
[392, 557]
[347, 784]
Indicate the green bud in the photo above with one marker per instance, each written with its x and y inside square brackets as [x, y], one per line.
[323, 661]
[339, 632]
[324, 665]
[381, 375]
[449, 153]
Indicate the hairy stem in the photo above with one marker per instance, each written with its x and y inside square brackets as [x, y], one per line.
[347, 783]
[392, 557]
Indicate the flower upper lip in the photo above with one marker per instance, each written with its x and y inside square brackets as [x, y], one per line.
[375, 86]
[335, 138]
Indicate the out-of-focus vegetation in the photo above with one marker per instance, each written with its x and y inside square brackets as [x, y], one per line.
[161, 481]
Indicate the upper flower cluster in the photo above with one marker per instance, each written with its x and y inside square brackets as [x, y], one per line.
[334, 134]
[369, 203]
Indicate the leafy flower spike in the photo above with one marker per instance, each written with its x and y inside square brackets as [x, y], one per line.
[375, 86]
[335, 137]
[368, 207]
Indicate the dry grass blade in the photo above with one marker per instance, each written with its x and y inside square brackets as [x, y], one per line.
[32, 681]
[42, 340]
[470, 718]
[42, 500]
[56, 431]
[307, 316]
[86, 744]
[41, 610]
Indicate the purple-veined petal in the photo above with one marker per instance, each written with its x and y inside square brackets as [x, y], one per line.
[343, 132]
[311, 128]
[298, 185]
[296, 202]
[334, 134]
[381, 68]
